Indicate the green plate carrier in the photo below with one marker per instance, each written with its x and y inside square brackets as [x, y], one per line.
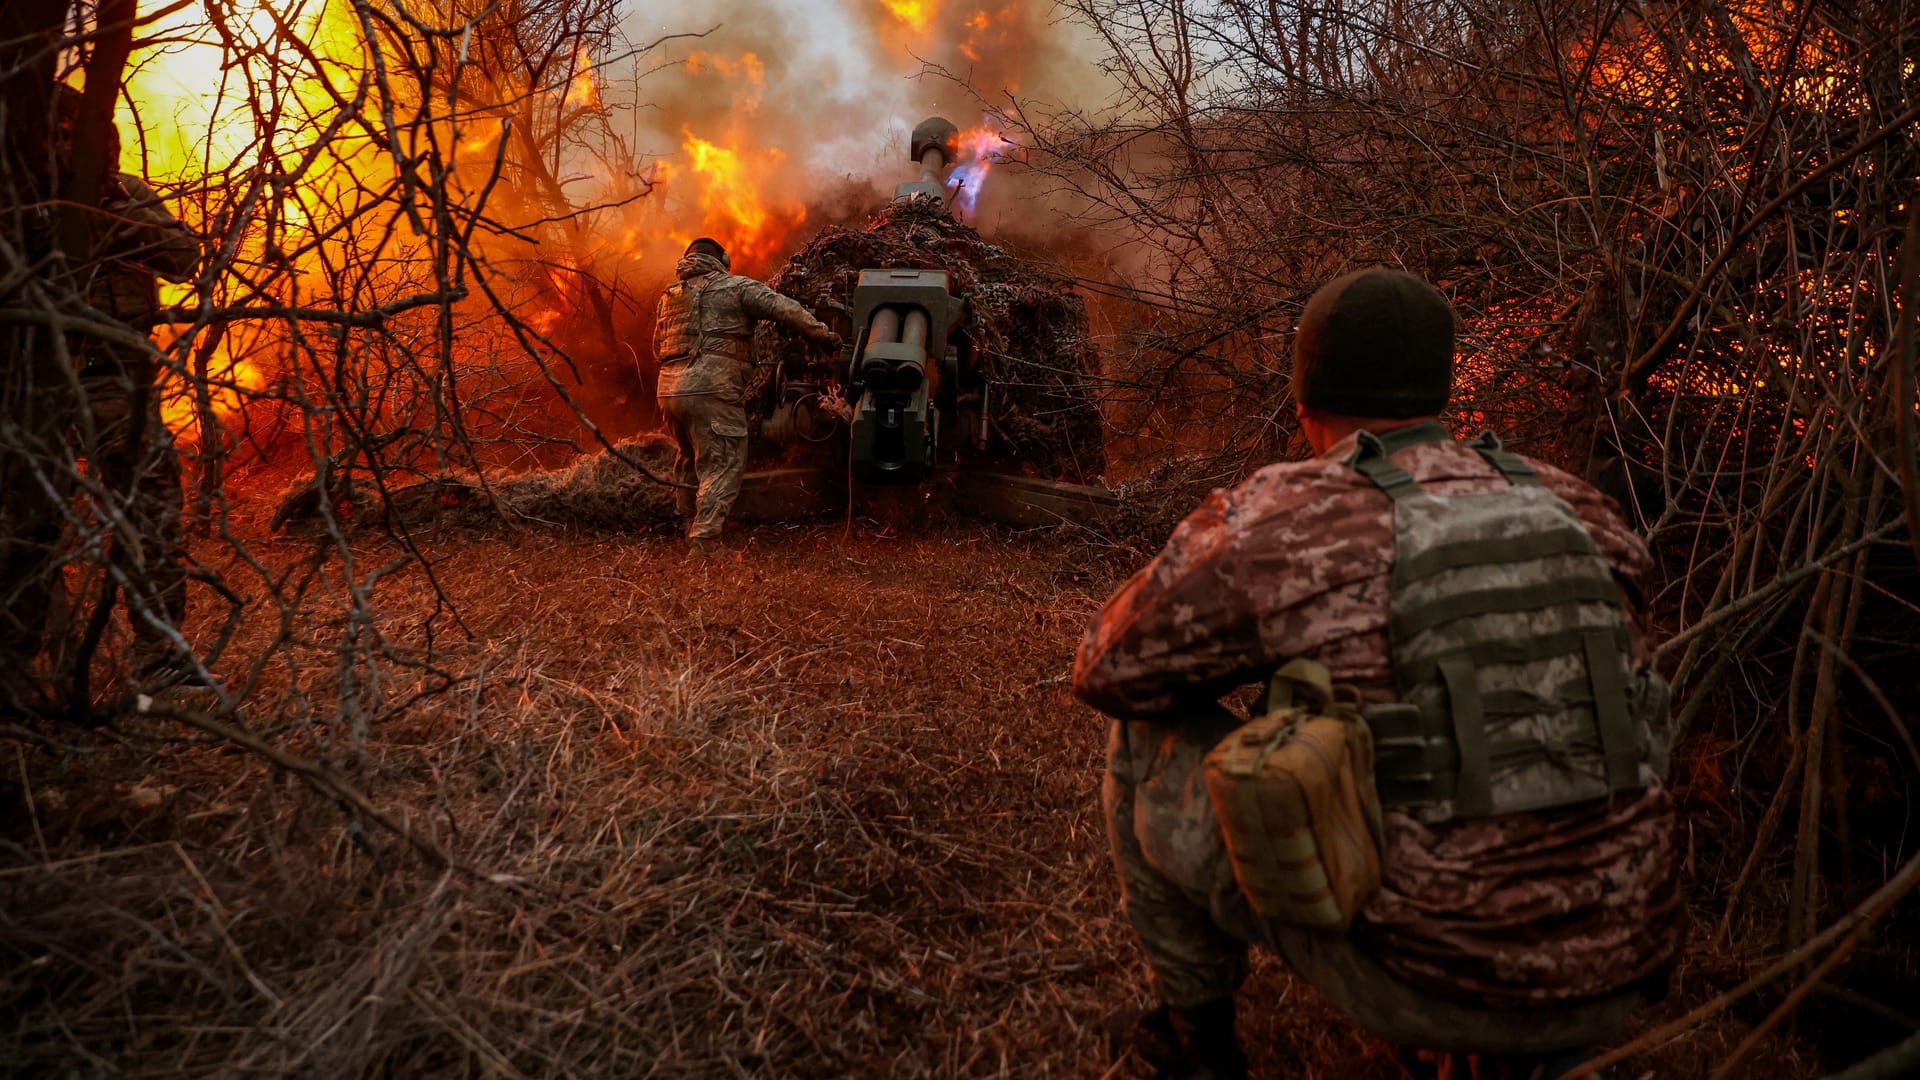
[1511, 649]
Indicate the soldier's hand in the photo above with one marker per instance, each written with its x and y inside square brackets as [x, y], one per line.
[828, 338]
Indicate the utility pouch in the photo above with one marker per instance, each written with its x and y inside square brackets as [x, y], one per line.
[1293, 791]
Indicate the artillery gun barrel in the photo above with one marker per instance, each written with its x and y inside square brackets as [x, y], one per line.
[935, 142]
[884, 328]
[914, 331]
[931, 163]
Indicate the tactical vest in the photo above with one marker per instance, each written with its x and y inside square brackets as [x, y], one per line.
[1510, 650]
[139, 243]
[702, 316]
[677, 328]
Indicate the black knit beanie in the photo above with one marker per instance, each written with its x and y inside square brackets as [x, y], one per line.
[1375, 343]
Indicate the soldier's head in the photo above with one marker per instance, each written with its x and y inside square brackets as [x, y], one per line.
[707, 245]
[1373, 345]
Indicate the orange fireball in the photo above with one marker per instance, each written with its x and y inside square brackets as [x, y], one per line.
[733, 208]
[914, 13]
[227, 382]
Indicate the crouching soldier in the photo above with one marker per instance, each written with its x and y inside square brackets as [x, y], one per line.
[1483, 607]
[702, 337]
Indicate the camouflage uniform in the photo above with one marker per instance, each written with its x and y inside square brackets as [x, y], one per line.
[1511, 934]
[701, 336]
[132, 454]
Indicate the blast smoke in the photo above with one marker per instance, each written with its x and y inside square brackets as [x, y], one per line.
[816, 94]
[767, 122]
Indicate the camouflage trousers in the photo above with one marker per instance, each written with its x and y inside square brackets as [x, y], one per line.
[1195, 926]
[135, 464]
[710, 433]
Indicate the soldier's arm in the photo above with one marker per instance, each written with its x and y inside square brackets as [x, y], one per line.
[760, 301]
[1179, 631]
[159, 241]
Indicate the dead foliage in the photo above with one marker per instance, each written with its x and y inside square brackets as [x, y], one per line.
[820, 809]
[794, 815]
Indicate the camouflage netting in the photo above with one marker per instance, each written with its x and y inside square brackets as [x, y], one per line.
[1027, 325]
[595, 491]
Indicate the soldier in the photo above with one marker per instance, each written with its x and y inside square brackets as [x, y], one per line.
[1525, 937]
[701, 338]
[130, 451]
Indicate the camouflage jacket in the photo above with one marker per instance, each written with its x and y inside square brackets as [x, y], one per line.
[139, 241]
[704, 329]
[1296, 562]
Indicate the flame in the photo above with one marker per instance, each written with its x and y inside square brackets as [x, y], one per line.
[733, 210]
[727, 191]
[190, 112]
[231, 382]
[980, 149]
[185, 116]
[748, 66]
[583, 90]
[730, 176]
[916, 14]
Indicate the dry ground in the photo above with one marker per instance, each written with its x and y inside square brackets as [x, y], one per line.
[824, 808]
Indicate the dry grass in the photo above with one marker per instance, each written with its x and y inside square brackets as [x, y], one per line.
[824, 809]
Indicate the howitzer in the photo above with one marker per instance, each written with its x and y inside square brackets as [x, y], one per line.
[910, 398]
[903, 373]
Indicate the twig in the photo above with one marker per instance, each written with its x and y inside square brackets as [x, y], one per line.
[1847, 931]
[1779, 584]
[1902, 364]
[324, 780]
[1650, 358]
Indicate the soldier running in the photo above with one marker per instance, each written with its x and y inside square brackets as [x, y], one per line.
[701, 337]
[1524, 937]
